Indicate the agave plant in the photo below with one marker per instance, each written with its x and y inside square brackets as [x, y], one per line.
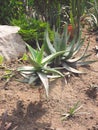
[68, 60]
[39, 69]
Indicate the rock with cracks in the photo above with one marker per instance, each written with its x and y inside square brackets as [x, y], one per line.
[11, 44]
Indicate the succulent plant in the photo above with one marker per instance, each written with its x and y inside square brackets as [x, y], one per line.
[38, 68]
[69, 59]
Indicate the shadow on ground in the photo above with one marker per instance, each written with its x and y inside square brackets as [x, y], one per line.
[28, 118]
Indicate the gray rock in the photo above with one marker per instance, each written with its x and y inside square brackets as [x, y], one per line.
[11, 44]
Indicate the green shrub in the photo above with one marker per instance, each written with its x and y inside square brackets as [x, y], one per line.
[32, 29]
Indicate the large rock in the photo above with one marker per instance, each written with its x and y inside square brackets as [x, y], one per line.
[11, 44]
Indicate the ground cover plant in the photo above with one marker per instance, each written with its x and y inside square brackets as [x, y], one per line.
[31, 29]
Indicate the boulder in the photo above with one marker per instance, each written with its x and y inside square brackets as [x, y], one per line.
[12, 45]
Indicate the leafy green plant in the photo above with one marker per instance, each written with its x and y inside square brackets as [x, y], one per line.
[30, 29]
[39, 69]
[72, 111]
[69, 59]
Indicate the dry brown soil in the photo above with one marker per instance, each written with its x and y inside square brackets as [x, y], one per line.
[28, 112]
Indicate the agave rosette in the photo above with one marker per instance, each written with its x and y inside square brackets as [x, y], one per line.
[68, 60]
[39, 69]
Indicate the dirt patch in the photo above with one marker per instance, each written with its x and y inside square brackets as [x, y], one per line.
[28, 112]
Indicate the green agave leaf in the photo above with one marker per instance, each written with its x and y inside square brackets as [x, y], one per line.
[50, 46]
[32, 51]
[86, 63]
[78, 45]
[53, 76]
[65, 38]
[78, 59]
[51, 57]
[70, 50]
[83, 55]
[25, 68]
[67, 35]
[39, 56]
[57, 42]
[67, 67]
[44, 79]
[83, 58]
[34, 63]
[69, 47]
[38, 46]
[53, 71]
[32, 79]
[25, 75]
[25, 80]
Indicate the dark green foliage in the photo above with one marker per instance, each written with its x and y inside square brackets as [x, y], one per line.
[32, 29]
[17, 8]
[51, 11]
[45, 10]
[4, 11]
[10, 9]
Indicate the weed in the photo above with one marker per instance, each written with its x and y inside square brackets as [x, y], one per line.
[72, 111]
